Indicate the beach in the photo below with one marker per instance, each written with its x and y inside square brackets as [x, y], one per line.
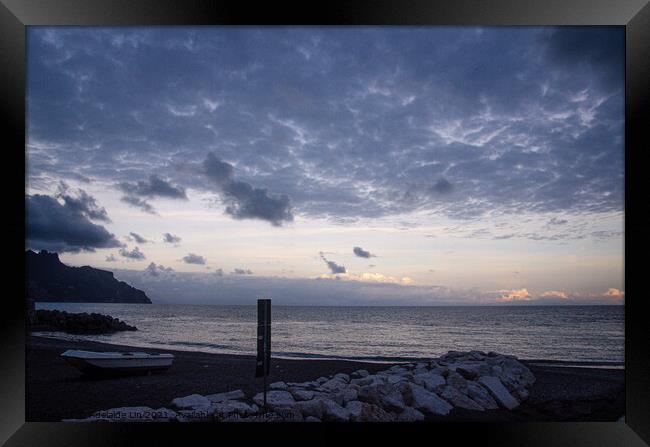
[56, 390]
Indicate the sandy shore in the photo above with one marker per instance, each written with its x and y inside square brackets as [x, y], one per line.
[57, 391]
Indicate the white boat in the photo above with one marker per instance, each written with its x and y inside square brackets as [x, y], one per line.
[94, 362]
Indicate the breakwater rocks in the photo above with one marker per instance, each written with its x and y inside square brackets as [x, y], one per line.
[81, 323]
[403, 393]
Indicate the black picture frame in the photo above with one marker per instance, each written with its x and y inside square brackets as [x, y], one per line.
[15, 15]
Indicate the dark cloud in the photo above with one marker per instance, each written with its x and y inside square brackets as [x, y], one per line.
[360, 252]
[556, 221]
[442, 186]
[218, 272]
[191, 258]
[153, 187]
[53, 226]
[239, 271]
[333, 266]
[135, 254]
[518, 119]
[170, 238]
[83, 203]
[137, 238]
[242, 200]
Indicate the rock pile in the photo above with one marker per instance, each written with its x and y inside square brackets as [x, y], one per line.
[405, 392]
[78, 323]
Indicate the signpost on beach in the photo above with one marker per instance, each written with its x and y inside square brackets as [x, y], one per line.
[263, 365]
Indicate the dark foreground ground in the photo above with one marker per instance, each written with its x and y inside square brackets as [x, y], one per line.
[58, 391]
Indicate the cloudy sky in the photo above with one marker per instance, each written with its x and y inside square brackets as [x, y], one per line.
[369, 165]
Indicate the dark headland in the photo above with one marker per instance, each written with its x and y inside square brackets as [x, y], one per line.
[57, 391]
[48, 279]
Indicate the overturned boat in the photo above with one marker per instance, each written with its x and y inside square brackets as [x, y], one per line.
[117, 362]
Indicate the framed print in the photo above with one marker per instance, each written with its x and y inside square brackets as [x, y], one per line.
[362, 217]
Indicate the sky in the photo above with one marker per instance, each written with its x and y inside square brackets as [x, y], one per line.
[332, 165]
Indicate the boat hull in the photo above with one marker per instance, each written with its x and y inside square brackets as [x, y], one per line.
[122, 364]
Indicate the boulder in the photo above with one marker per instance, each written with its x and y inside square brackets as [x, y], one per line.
[334, 384]
[334, 412]
[457, 381]
[481, 396]
[427, 401]
[230, 395]
[458, 399]
[322, 380]
[361, 373]
[299, 394]
[347, 394]
[342, 377]
[392, 402]
[193, 401]
[365, 412]
[429, 380]
[410, 415]
[312, 408]
[369, 394]
[312, 419]
[499, 392]
[278, 386]
[275, 399]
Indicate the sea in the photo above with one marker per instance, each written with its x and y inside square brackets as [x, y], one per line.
[590, 334]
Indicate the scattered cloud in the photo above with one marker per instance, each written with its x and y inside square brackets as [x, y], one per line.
[171, 239]
[134, 254]
[137, 238]
[153, 187]
[333, 266]
[239, 271]
[360, 252]
[513, 295]
[111, 258]
[192, 258]
[157, 269]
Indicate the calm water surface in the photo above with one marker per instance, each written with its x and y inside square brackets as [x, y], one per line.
[574, 333]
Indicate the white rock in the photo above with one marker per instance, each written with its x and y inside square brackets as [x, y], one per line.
[481, 396]
[275, 398]
[410, 415]
[310, 408]
[365, 412]
[392, 401]
[427, 401]
[458, 399]
[334, 384]
[230, 395]
[430, 381]
[343, 377]
[193, 401]
[394, 378]
[348, 394]
[498, 391]
[301, 394]
[334, 412]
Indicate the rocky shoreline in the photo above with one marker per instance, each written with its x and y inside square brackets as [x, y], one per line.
[76, 323]
[409, 392]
